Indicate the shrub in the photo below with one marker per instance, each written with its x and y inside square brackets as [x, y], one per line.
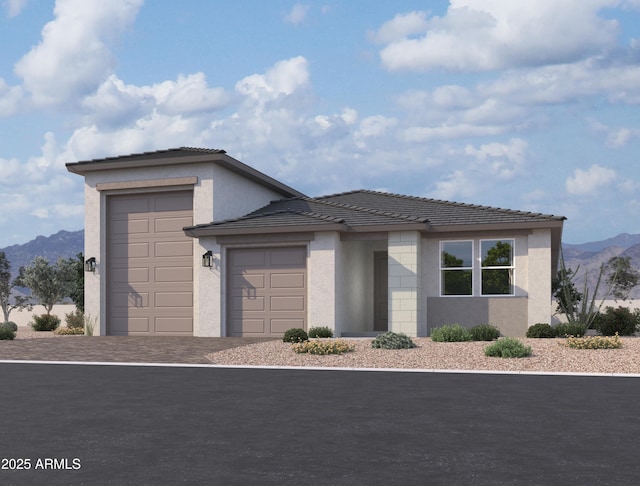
[75, 319]
[320, 332]
[69, 331]
[6, 333]
[565, 329]
[484, 332]
[45, 322]
[295, 335]
[322, 347]
[393, 340]
[619, 320]
[507, 347]
[594, 342]
[451, 333]
[10, 325]
[541, 330]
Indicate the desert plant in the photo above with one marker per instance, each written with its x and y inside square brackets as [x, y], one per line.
[89, 324]
[619, 320]
[451, 333]
[484, 332]
[507, 347]
[295, 335]
[576, 329]
[45, 322]
[69, 331]
[320, 332]
[323, 347]
[6, 332]
[541, 330]
[393, 340]
[594, 342]
[74, 319]
[10, 325]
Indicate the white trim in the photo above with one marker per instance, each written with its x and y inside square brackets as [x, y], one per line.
[441, 268]
[512, 267]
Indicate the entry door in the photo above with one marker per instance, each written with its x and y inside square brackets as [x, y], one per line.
[380, 291]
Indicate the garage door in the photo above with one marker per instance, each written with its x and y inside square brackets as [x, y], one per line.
[150, 264]
[267, 291]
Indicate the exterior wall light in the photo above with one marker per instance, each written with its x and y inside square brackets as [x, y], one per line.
[90, 265]
[207, 259]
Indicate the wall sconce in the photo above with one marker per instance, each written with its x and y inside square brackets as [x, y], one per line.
[90, 265]
[207, 259]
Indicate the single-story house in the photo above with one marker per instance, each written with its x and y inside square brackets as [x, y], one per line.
[191, 241]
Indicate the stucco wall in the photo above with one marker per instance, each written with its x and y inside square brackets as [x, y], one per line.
[324, 305]
[24, 317]
[539, 276]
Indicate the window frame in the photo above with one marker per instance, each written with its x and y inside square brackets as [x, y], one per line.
[511, 267]
[443, 269]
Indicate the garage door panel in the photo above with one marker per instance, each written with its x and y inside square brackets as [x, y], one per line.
[126, 227]
[129, 250]
[129, 299]
[173, 249]
[177, 201]
[126, 325]
[173, 325]
[174, 299]
[267, 290]
[174, 274]
[129, 204]
[287, 280]
[131, 275]
[171, 225]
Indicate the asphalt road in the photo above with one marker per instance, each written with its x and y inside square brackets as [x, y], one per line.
[83, 424]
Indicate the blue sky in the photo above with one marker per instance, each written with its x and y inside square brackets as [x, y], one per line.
[509, 103]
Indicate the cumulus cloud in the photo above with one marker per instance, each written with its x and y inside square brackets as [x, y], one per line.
[14, 7]
[482, 35]
[74, 55]
[589, 182]
[297, 14]
[282, 79]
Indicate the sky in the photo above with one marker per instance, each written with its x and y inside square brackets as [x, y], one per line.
[516, 104]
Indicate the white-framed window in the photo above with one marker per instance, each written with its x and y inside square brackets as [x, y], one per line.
[497, 266]
[456, 267]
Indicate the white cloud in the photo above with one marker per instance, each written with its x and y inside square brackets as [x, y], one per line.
[74, 56]
[502, 161]
[283, 78]
[297, 14]
[480, 35]
[14, 7]
[589, 182]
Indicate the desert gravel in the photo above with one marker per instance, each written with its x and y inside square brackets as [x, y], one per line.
[549, 355]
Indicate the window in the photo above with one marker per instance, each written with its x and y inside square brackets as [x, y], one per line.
[456, 267]
[496, 260]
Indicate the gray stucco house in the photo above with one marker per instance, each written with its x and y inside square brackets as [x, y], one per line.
[193, 242]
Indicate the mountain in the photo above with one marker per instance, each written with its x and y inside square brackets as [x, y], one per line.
[65, 244]
[623, 240]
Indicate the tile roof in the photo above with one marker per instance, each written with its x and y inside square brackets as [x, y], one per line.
[363, 210]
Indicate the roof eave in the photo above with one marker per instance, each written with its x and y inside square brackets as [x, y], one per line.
[451, 228]
[203, 231]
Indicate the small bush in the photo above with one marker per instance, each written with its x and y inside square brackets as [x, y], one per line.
[295, 335]
[507, 347]
[75, 319]
[320, 332]
[484, 332]
[393, 340]
[322, 347]
[451, 333]
[45, 322]
[69, 331]
[6, 332]
[619, 320]
[10, 325]
[541, 330]
[594, 342]
[565, 329]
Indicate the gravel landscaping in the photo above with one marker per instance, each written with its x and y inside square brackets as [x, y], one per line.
[548, 355]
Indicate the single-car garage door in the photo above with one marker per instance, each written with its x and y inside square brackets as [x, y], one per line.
[267, 290]
[150, 264]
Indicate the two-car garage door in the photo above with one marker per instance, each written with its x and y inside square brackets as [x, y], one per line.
[267, 290]
[150, 264]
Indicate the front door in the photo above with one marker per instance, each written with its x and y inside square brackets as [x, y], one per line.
[380, 291]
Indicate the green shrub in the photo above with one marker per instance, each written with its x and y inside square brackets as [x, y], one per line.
[484, 332]
[507, 347]
[322, 347]
[295, 335]
[450, 333]
[320, 332]
[541, 330]
[75, 319]
[594, 342]
[7, 332]
[570, 329]
[619, 320]
[45, 322]
[10, 325]
[69, 331]
[393, 340]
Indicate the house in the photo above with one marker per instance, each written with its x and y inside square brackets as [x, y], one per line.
[193, 242]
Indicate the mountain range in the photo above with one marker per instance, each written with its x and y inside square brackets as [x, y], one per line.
[586, 258]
